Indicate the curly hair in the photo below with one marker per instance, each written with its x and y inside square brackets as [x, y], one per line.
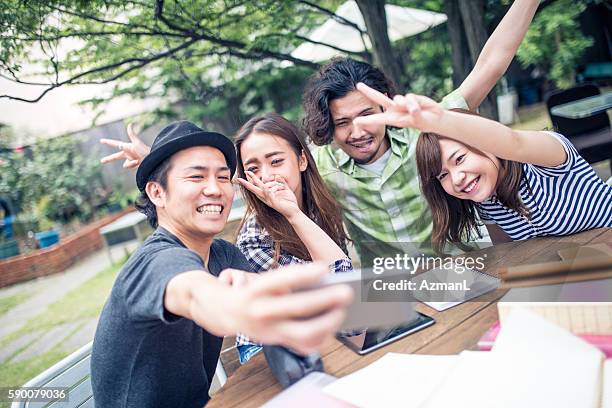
[336, 80]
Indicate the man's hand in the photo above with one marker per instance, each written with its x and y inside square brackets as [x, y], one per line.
[268, 309]
[404, 111]
[274, 193]
[234, 277]
[132, 152]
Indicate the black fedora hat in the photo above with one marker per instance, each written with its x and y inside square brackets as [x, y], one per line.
[179, 136]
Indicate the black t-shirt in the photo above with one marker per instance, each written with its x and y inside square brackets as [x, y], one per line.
[143, 355]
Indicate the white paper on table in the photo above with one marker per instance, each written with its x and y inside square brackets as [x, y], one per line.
[606, 395]
[395, 380]
[533, 364]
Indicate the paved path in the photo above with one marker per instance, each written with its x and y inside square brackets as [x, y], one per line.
[44, 292]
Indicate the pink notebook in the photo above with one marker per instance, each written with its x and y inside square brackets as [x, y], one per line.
[602, 342]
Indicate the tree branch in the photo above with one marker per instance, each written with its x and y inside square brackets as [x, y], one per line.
[333, 15]
[306, 39]
[141, 62]
[93, 34]
[93, 18]
[159, 14]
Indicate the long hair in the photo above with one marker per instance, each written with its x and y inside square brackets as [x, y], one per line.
[333, 81]
[319, 204]
[454, 219]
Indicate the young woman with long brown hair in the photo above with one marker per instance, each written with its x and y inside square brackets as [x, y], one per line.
[522, 184]
[291, 215]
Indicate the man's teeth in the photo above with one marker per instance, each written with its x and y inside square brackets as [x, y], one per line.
[210, 209]
[362, 144]
[471, 186]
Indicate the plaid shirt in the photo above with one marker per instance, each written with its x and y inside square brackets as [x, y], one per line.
[258, 248]
[388, 208]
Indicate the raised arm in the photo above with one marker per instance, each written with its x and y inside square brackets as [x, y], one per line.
[498, 52]
[525, 146]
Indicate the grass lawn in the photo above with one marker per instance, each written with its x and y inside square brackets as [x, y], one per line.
[83, 302]
[9, 302]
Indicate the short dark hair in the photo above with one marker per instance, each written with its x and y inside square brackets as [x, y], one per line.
[335, 80]
[144, 203]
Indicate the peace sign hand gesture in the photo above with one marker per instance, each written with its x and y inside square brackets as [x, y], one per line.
[402, 111]
[132, 152]
[275, 193]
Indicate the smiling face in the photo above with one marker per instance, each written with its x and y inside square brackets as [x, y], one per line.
[467, 174]
[364, 147]
[198, 196]
[268, 155]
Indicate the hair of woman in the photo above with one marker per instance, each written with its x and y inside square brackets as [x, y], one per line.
[454, 219]
[319, 204]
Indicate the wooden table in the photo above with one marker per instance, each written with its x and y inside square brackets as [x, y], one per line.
[456, 329]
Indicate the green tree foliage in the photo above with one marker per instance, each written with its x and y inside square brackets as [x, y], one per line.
[554, 42]
[214, 62]
[226, 107]
[150, 46]
[56, 180]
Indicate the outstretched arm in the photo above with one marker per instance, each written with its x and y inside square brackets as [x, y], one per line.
[498, 52]
[525, 146]
[267, 307]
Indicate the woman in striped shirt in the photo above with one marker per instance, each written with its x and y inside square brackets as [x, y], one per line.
[522, 184]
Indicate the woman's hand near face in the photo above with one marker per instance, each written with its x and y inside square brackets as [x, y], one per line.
[275, 193]
[403, 111]
[132, 152]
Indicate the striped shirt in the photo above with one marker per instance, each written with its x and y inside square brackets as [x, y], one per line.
[562, 200]
[258, 248]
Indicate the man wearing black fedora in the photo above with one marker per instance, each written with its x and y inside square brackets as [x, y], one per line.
[160, 332]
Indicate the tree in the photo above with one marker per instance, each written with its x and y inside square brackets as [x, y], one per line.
[467, 26]
[375, 19]
[54, 179]
[103, 41]
[189, 51]
[554, 43]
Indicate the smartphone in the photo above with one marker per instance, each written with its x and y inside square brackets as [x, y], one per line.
[372, 339]
[370, 314]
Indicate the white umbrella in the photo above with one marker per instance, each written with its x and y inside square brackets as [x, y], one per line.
[401, 22]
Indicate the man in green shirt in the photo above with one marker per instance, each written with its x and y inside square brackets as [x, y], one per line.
[373, 174]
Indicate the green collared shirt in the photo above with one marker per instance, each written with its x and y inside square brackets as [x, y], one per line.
[388, 208]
